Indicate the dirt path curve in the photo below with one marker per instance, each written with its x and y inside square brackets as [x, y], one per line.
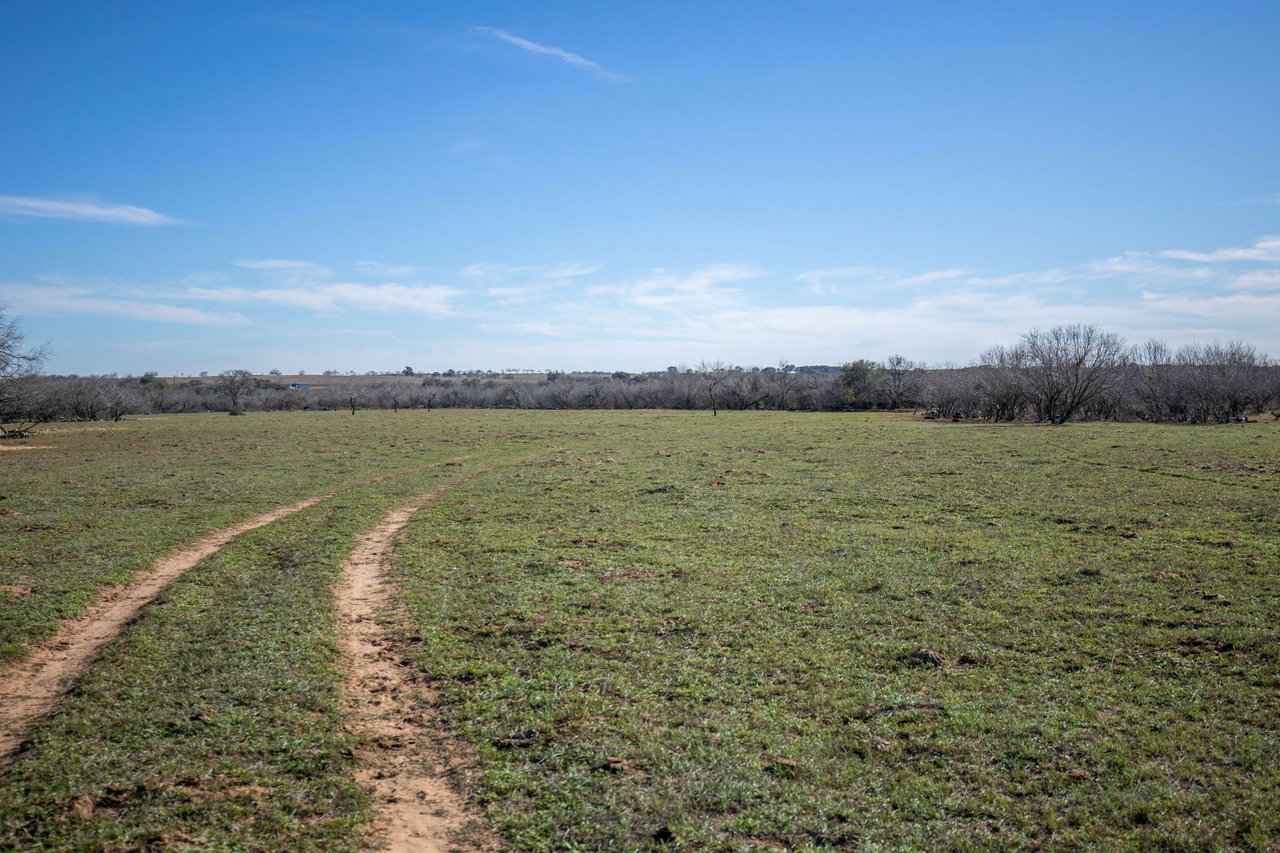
[33, 685]
[30, 687]
[390, 708]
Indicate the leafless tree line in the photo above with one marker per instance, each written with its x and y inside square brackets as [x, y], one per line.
[1066, 373]
[1080, 372]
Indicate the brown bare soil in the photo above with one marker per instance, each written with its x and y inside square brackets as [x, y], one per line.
[26, 447]
[33, 685]
[404, 757]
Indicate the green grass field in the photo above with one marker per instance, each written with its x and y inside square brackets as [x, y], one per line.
[658, 630]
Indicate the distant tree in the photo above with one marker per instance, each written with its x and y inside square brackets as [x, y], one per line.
[948, 392]
[1002, 383]
[82, 399]
[1069, 366]
[408, 371]
[1155, 381]
[234, 385]
[745, 390]
[859, 380]
[274, 372]
[783, 380]
[23, 402]
[899, 375]
[392, 395]
[120, 399]
[1225, 379]
[355, 394]
[713, 375]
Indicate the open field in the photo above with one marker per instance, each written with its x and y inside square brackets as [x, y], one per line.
[663, 630]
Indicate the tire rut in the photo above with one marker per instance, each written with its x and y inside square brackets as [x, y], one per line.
[404, 758]
[33, 685]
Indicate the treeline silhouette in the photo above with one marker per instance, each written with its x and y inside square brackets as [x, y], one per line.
[1068, 373]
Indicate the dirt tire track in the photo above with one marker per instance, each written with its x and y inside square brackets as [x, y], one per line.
[32, 686]
[405, 758]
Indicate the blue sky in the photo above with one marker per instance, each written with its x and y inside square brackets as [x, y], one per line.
[205, 186]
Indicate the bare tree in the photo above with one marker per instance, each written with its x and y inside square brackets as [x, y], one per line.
[431, 390]
[22, 398]
[82, 399]
[746, 389]
[784, 380]
[1226, 379]
[1155, 381]
[899, 378]
[393, 394]
[355, 394]
[235, 385]
[1002, 381]
[1068, 366]
[714, 375]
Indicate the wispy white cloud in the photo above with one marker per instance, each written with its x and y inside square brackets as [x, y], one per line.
[522, 294]
[429, 299]
[490, 271]
[81, 209]
[1225, 308]
[547, 329]
[378, 268]
[510, 284]
[557, 53]
[703, 289]
[835, 281]
[307, 285]
[832, 280]
[282, 265]
[1264, 249]
[56, 301]
[1258, 280]
[933, 277]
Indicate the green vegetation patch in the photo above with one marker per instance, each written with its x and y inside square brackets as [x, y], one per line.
[819, 632]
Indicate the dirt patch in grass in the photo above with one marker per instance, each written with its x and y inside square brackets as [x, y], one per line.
[404, 758]
[6, 447]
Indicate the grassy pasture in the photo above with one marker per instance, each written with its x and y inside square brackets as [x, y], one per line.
[672, 631]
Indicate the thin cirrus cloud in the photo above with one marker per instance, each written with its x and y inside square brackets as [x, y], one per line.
[281, 265]
[564, 56]
[1264, 249]
[835, 281]
[63, 300]
[484, 271]
[82, 210]
[429, 299]
[308, 285]
[705, 288]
